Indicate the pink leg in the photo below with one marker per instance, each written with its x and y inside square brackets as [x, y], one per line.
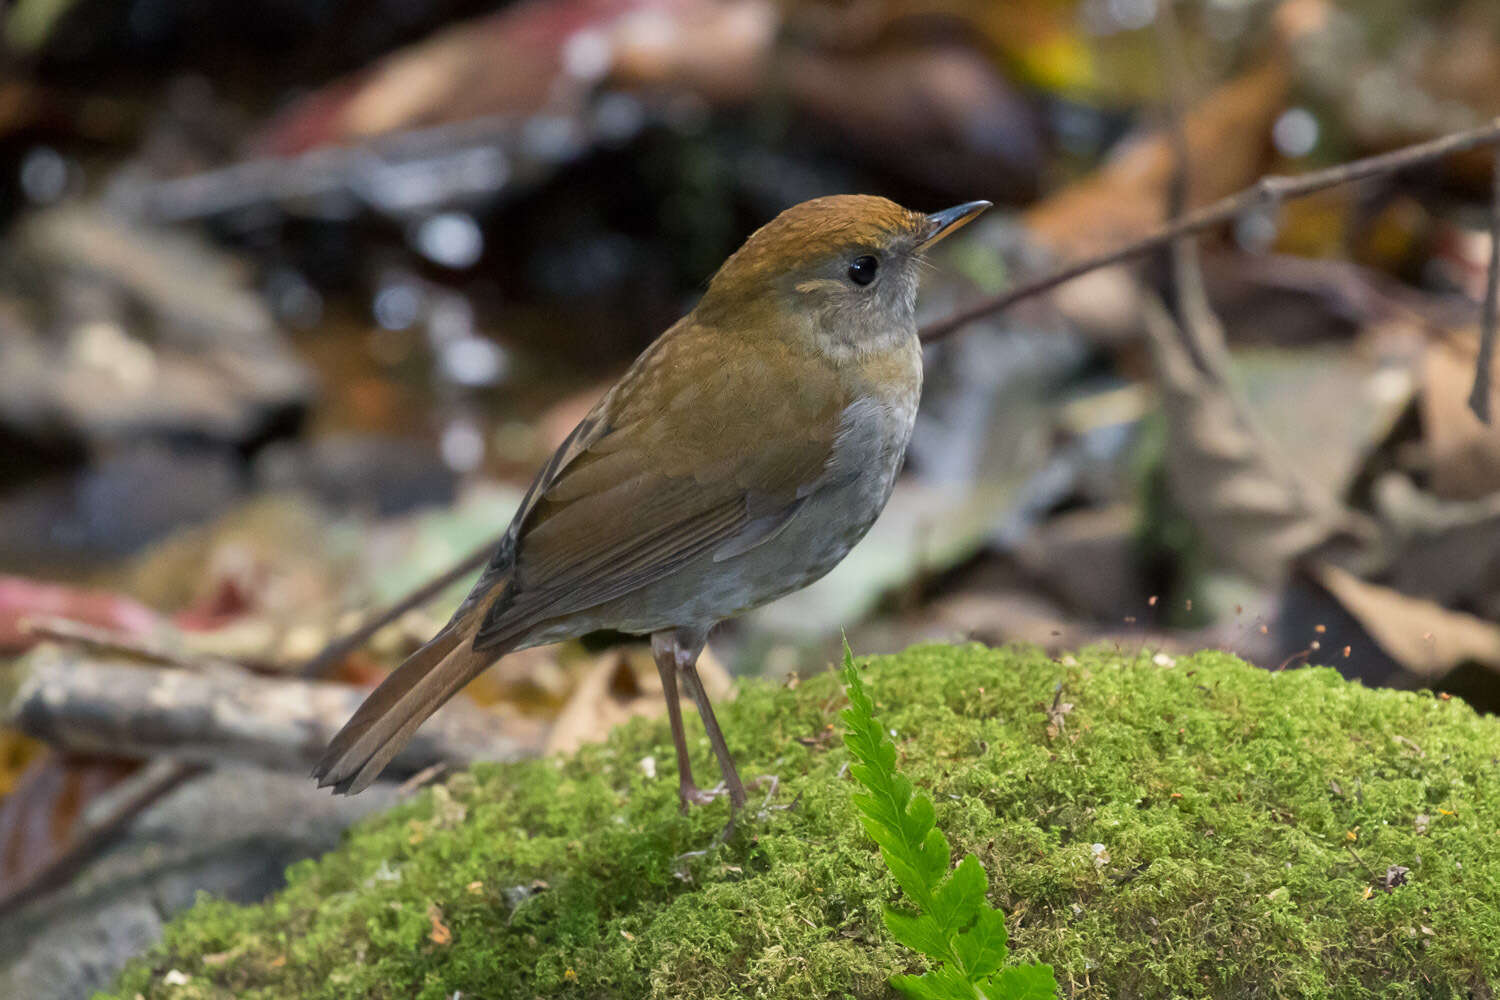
[676, 652]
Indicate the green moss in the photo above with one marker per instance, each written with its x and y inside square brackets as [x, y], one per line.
[1244, 817]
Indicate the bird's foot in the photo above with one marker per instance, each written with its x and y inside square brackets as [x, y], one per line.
[689, 795]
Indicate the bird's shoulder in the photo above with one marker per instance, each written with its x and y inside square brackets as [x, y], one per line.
[718, 409]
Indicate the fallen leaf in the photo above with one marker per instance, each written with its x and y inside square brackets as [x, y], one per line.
[623, 684]
[23, 599]
[1463, 454]
[1426, 638]
[1124, 199]
[510, 62]
[1447, 551]
[38, 818]
[440, 935]
[1245, 501]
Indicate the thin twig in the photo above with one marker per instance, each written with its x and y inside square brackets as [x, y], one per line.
[1268, 192]
[155, 783]
[341, 647]
[149, 649]
[1355, 855]
[1479, 399]
[425, 776]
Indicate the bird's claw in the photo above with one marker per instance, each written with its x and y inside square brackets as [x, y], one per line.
[689, 795]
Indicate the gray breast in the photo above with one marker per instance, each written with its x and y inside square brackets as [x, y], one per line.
[861, 473]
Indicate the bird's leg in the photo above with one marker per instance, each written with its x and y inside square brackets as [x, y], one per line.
[688, 666]
[667, 652]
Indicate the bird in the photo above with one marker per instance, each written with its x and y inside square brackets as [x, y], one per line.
[738, 459]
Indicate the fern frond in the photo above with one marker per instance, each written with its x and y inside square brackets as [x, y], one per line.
[953, 924]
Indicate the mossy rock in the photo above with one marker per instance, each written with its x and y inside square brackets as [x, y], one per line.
[1191, 829]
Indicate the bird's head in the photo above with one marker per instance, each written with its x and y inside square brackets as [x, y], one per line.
[839, 271]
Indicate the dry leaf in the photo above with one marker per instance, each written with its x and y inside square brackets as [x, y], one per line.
[38, 818]
[440, 935]
[1247, 504]
[23, 599]
[540, 58]
[1445, 550]
[1124, 199]
[1424, 637]
[1463, 454]
[510, 62]
[623, 684]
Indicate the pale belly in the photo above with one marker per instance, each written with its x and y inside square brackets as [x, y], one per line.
[816, 538]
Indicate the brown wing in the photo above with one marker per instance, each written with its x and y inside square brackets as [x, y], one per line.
[676, 461]
[679, 459]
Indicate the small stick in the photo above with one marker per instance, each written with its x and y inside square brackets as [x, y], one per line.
[1479, 399]
[330, 655]
[151, 785]
[1267, 192]
[1355, 854]
[425, 776]
[111, 642]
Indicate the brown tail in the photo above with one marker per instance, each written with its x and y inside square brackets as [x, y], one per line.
[391, 714]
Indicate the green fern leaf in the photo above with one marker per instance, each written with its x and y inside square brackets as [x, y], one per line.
[942, 983]
[917, 931]
[960, 897]
[982, 948]
[1022, 982]
[953, 923]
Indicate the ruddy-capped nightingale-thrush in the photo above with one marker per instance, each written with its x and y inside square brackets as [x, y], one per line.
[740, 458]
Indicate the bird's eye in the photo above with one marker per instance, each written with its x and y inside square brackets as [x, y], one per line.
[862, 269]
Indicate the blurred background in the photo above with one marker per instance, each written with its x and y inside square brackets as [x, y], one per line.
[296, 297]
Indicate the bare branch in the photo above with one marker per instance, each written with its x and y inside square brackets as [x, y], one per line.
[1268, 192]
[110, 706]
[111, 642]
[1479, 399]
[96, 833]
